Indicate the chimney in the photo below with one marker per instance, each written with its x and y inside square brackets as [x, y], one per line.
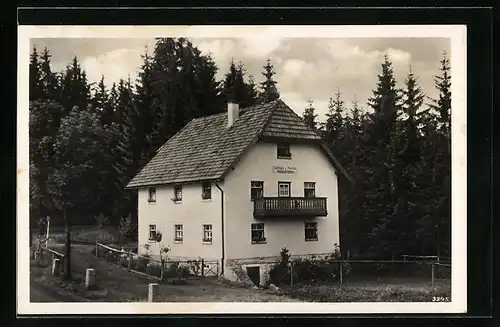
[233, 112]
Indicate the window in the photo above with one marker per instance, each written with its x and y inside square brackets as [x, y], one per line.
[256, 190]
[311, 231]
[152, 232]
[207, 233]
[258, 233]
[206, 191]
[152, 195]
[283, 189]
[178, 233]
[284, 151]
[309, 189]
[178, 193]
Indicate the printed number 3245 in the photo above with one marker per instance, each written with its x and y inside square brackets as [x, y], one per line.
[440, 299]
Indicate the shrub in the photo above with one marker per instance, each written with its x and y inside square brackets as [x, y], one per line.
[195, 267]
[174, 270]
[101, 220]
[133, 263]
[127, 228]
[112, 256]
[142, 263]
[123, 261]
[171, 270]
[153, 269]
[280, 273]
[183, 272]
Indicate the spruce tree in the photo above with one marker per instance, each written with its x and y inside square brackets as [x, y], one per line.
[440, 214]
[207, 87]
[334, 118]
[35, 84]
[309, 115]
[413, 98]
[75, 90]
[126, 150]
[442, 83]
[165, 91]
[49, 80]
[234, 87]
[269, 91]
[384, 103]
[252, 90]
[143, 99]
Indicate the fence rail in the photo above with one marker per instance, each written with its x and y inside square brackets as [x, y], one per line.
[351, 271]
[158, 269]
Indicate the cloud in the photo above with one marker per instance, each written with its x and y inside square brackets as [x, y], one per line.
[294, 67]
[114, 65]
[305, 67]
[260, 46]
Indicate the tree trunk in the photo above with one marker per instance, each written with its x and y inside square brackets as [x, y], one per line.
[67, 248]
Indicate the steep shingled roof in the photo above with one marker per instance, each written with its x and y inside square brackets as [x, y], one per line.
[205, 149]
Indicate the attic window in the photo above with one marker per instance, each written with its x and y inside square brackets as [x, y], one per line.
[283, 150]
[206, 191]
[152, 195]
[178, 193]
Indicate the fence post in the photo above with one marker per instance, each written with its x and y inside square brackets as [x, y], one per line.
[202, 268]
[291, 274]
[162, 269]
[89, 278]
[152, 292]
[432, 276]
[56, 266]
[129, 258]
[392, 267]
[341, 274]
[96, 249]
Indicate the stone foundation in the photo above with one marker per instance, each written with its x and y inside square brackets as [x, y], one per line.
[235, 270]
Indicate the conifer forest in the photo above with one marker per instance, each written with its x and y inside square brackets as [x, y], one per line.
[87, 140]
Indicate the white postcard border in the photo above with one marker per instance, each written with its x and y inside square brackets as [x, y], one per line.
[457, 34]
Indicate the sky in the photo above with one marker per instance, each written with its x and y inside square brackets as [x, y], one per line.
[305, 68]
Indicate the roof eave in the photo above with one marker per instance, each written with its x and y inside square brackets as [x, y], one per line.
[336, 163]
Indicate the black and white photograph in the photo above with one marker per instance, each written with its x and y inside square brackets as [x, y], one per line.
[240, 169]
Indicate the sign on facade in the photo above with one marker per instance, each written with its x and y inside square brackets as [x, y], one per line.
[284, 169]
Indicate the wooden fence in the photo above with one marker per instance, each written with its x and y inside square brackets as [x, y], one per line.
[342, 269]
[158, 270]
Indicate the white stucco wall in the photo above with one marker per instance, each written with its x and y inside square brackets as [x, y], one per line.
[192, 213]
[257, 164]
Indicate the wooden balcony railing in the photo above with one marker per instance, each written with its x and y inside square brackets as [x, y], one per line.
[288, 207]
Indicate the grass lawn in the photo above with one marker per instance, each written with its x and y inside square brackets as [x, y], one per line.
[116, 284]
[390, 290]
[87, 234]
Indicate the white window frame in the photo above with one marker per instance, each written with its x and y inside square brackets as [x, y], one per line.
[314, 227]
[178, 193]
[255, 227]
[152, 229]
[309, 186]
[206, 188]
[152, 195]
[281, 146]
[253, 186]
[207, 233]
[288, 187]
[178, 233]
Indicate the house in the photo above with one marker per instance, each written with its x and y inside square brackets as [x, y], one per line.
[238, 187]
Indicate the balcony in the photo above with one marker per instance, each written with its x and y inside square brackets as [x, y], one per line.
[289, 207]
